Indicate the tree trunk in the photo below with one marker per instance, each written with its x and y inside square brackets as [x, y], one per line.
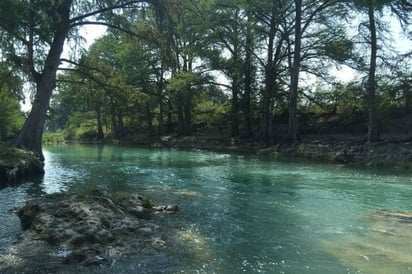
[120, 124]
[268, 91]
[149, 118]
[373, 132]
[188, 114]
[234, 114]
[169, 115]
[30, 136]
[180, 115]
[292, 134]
[100, 134]
[114, 122]
[248, 78]
[160, 97]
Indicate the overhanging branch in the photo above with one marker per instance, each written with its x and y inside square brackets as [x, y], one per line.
[83, 23]
[119, 5]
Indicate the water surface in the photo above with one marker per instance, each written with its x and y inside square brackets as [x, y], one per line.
[241, 213]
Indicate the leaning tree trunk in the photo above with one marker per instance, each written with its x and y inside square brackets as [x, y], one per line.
[373, 132]
[30, 136]
[292, 134]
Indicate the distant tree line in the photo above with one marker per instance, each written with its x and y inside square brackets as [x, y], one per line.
[176, 65]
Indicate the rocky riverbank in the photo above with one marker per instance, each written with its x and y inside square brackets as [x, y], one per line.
[84, 229]
[16, 164]
[391, 153]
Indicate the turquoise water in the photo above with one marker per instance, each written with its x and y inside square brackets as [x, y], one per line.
[242, 214]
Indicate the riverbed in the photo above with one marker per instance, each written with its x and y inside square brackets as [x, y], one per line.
[240, 213]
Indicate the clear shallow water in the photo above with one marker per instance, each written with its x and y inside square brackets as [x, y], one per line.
[241, 213]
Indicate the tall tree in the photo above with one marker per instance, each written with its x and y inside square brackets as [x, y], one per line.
[402, 9]
[292, 134]
[373, 132]
[227, 50]
[307, 13]
[270, 15]
[249, 72]
[34, 34]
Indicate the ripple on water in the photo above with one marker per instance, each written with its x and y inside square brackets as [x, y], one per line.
[240, 214]
[11, 198]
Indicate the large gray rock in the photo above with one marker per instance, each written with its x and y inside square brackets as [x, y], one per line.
[87, 225]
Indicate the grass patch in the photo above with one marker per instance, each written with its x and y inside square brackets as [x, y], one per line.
[9, 154]
[147, 202]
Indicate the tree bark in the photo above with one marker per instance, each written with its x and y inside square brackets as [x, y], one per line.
[235, 108]
[114, 122]
[149, 118]
[268, 91]
[373, 132]
[180, 115]
[30, 136]
[160, 86]
[100, 134]
[248, 78]
[188, 113]
[236, 74]
[292, 135]
[169, 115]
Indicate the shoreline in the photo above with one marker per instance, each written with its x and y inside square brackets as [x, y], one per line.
[351, 151]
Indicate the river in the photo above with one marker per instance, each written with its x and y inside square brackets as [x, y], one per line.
[241, 213]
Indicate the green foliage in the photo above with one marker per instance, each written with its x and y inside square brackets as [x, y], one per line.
[339, 50]
[11, 118]
[164, 76]
[210, 113]
[351, 100]
[53, 137]
[81, 127]
[184, 81]
[147, 202]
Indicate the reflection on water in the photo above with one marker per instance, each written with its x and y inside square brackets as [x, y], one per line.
[240, 213]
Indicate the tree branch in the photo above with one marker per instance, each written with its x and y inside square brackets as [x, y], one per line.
[83, 23]
[119, 5]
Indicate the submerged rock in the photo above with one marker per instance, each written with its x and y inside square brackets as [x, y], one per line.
[400, 216]
[92, 228]
[384, 246]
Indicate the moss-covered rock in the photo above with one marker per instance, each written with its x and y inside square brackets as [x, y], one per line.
[16, 164]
